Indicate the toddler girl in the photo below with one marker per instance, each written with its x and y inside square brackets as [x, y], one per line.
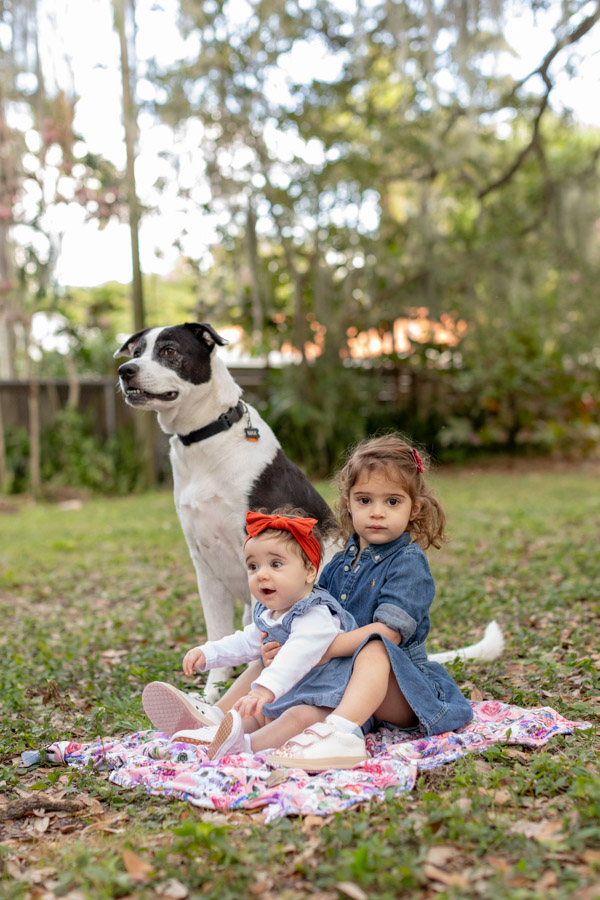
[382, 576]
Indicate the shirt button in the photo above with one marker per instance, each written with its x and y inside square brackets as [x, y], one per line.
[343, 597]
[346, 568]
[378, 556]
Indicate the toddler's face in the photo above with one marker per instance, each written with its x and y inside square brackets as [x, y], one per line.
[381, 509]
[277, 575]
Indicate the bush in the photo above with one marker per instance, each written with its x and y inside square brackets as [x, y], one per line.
[73, 456]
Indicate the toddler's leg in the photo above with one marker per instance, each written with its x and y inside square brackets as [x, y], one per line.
[289, 723]
[237, 735]
[373, 691]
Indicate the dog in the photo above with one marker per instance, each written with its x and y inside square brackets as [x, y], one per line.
[225, 461]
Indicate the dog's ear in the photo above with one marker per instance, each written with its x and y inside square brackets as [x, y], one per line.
[206, 333]
[129, 345]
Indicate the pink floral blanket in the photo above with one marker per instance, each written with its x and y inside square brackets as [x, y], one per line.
[244, 781]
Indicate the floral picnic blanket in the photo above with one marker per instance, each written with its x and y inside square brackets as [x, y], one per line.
[245, 781]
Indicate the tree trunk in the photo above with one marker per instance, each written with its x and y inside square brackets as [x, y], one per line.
[144, 425]
[130, 124]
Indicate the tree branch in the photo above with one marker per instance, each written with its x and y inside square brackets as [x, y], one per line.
[542, 71]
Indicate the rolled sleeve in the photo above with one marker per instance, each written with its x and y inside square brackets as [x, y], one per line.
[405, 597]
[394, 617]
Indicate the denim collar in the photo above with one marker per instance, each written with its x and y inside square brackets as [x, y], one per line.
[377, 552]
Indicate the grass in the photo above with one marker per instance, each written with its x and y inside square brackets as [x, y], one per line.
[97, 601]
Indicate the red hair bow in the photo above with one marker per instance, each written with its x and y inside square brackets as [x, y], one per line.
[302, 530]
[418, 461]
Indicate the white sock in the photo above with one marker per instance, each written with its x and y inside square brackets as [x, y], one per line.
[218, 712]
[343, 725]
[248, 743]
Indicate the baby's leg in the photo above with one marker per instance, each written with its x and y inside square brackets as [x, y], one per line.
[373, 690]
[288, 725]
[240, 687]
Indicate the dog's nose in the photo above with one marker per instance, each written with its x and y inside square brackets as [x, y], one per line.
[128, 370]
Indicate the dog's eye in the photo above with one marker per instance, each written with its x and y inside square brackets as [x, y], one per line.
[168, 351]
[137, 352]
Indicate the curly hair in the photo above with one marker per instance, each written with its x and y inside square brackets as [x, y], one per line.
[394, 456]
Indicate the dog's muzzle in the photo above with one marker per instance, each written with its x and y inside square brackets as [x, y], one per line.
[134, 395]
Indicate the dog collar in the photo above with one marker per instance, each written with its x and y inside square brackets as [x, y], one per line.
[223, 423]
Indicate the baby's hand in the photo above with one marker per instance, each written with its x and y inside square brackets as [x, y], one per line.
[193, 660]
[253, 702]
[269, 651]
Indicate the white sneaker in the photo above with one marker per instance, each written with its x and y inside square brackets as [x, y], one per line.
[230, 737]
[204, 735]
[171, 710]
[319, 748]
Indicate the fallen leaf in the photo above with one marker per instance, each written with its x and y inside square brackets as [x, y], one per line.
[476, 695]
[261, 885]
[440, 855]
[592, 892]
[13, 870]
[547, 831]
[173, 889]
[450, 879]
[591, 856]
[137, 868]
[518, 754]
[548, 880]
[312, 822]
[41, 825]
[351, 890]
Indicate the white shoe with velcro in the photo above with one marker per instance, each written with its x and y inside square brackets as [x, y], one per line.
[319, 748]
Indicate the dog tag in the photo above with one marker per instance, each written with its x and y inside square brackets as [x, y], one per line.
[252, 434]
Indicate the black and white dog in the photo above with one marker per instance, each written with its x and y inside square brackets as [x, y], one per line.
[225, 461]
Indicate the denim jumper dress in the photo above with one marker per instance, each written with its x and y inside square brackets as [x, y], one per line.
[323, 685]
[392, 583]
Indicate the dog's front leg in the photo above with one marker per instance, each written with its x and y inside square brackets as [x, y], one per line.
[217, 606]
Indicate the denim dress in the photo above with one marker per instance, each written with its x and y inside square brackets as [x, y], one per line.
[392, 584]
[323, 685]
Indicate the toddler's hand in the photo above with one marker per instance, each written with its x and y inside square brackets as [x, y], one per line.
[253, 702]
[269, 651]
[193, 660]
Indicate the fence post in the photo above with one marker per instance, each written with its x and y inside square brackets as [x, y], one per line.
[3, 463]
[34, 437]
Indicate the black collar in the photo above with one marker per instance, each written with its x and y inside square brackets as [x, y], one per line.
[223, 423]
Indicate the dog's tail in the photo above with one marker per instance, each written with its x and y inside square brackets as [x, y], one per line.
[488, 648]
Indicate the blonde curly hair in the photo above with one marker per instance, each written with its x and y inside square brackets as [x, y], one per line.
[394, 456]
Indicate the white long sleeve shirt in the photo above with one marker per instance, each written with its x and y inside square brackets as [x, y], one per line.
[310, 636]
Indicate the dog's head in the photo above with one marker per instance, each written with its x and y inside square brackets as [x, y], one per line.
[165, 361]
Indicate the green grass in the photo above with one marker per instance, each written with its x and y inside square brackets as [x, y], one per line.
[95, 602]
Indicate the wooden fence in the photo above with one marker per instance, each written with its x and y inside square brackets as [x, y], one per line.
[32, 406]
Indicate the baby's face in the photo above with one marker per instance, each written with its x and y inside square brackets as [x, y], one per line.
[277, 574]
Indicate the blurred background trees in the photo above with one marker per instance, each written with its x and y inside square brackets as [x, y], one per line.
[391, 205]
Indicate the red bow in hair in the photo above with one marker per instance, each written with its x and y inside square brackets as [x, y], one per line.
[418, 461]
[302, 530]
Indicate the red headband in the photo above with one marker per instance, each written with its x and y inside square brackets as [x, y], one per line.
[301, 529]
